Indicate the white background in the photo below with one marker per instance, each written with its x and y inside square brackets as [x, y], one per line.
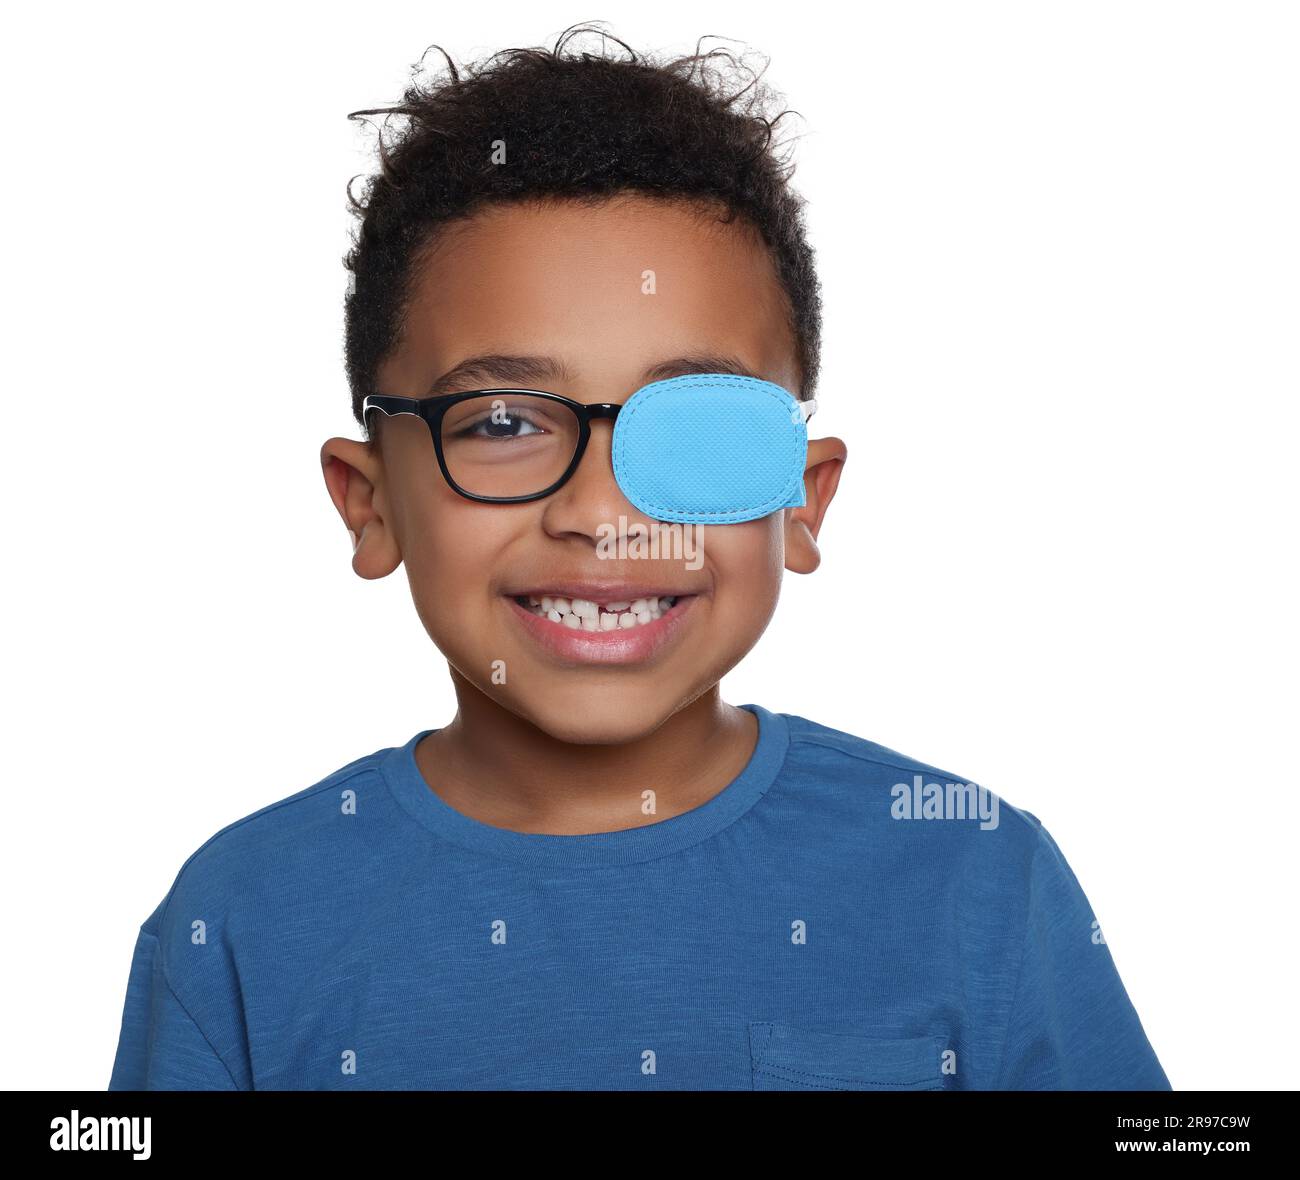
[1059, 251]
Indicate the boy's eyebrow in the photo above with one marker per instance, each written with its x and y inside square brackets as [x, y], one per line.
[697, 362]
[506, 369]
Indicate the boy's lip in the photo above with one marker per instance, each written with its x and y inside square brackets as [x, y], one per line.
[632, 645]
[601, 590]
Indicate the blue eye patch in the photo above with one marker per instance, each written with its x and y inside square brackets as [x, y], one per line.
[713, 448]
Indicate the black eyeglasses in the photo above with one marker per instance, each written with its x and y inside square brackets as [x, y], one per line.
[502, 446]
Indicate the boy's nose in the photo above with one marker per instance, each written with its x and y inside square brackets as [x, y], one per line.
[592, 496]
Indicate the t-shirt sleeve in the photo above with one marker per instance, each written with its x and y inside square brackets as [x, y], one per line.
[1072, 1025]
[160, 1047]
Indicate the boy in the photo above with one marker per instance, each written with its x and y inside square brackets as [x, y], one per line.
[585, 312]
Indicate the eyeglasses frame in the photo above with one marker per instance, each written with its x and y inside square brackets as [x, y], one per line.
[433, 409]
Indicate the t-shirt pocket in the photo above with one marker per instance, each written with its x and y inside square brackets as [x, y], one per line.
[787, 1058]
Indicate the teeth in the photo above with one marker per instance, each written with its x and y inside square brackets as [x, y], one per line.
[581, 614]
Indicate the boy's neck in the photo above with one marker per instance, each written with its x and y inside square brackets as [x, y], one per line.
[501, 770]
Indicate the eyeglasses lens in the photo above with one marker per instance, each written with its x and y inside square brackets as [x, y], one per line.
[508, 444]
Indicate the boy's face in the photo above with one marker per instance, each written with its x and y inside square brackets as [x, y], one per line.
[569, 282]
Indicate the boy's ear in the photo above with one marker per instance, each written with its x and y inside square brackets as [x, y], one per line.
[353, 471]
[821, 476]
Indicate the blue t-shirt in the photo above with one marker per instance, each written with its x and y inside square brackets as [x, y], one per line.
[839, 917]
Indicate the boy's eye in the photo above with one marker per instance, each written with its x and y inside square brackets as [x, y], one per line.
[511, 426]
[501, 422]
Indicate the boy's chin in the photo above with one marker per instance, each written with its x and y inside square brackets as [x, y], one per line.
[603, 719]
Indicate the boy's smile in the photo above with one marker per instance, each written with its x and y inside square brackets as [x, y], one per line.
[589, 300]
[613, 623]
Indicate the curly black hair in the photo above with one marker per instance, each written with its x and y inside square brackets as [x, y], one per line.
[580, 126]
